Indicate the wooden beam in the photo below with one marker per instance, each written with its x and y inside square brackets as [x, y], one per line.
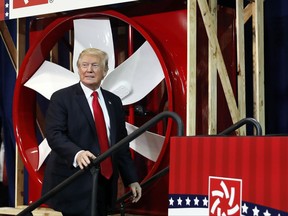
[191, 68]
[19, 169]
[19, 179]
[240, 41]
[21, 42]
[212, 75]
[258, 62]
[222, 71]
[247, 12]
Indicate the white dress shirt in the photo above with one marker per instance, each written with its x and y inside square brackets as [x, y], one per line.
[88, 94]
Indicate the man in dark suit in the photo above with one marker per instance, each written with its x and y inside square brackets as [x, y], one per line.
[71, 134]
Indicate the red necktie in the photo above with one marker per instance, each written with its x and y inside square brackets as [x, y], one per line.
[106, 165]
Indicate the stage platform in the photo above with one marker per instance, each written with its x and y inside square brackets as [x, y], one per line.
[36, 212]
[39, 211]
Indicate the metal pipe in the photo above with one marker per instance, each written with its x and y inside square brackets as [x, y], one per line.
[240, 123]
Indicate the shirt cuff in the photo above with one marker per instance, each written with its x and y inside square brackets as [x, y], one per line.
[75, 164]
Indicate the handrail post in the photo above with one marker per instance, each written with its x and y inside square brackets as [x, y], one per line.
[122, 208]
[95, 173]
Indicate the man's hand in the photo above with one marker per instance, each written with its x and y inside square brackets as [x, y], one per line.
[84, 158]
[136, 191]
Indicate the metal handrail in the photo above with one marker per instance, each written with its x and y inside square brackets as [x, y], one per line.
[240, 123]
[100, 158]
[164, 171]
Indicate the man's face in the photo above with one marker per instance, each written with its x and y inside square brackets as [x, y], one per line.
[91, 71]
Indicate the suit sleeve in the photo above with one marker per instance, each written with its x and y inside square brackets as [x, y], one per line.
[126, 164]
[57, 128]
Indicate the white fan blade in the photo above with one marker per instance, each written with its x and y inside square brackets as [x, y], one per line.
[135, 77]
[94, 33]
[49, 78]
[44, 151]
[147, 144]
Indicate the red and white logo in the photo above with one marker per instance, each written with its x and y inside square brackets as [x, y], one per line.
[27, 3]
[225, 196]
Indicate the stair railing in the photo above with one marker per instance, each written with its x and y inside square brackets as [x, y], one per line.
[122, 200]
[129, 138]
[95, 163]
[240, 123]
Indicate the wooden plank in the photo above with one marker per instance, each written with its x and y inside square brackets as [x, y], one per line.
[19, 169]
[37, 212]
[241, 63]
[191, 68]
[21, 42]
[258, 60]
[222, 71]
[19, 179]
[247, 12]
[212, 75]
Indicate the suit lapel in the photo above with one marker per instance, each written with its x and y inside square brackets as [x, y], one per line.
[111, 113]
[84, 106]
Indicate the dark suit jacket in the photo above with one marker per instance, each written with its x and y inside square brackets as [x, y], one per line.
[70, 128]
